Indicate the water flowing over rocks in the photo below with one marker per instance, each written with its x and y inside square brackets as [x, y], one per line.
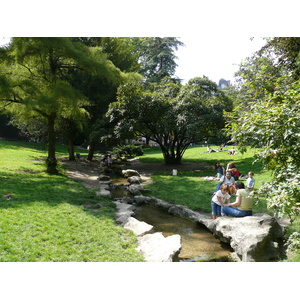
[154, 247]
[253, 238]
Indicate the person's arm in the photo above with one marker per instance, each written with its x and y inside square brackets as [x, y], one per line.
[228, 200]
[219, 199]
[237, 201]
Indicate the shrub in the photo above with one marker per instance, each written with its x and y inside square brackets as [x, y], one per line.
[128, 151]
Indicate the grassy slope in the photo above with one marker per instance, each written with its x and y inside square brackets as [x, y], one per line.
[45, 219]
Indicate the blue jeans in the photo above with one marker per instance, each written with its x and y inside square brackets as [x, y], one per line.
[216, 209]
[235, 212]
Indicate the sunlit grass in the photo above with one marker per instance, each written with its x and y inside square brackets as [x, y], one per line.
[189, 189]
[46, 221]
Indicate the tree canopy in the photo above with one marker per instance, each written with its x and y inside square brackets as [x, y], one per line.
[35, 81]
[269, 120]
[173, 115]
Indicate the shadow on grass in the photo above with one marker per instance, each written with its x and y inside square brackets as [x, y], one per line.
[53, 190]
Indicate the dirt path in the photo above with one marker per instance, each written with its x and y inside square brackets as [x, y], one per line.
[87, 172]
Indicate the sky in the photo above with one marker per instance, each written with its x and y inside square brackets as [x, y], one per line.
[213, 57]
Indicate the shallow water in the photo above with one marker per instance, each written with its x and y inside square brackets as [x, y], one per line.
[198, 244]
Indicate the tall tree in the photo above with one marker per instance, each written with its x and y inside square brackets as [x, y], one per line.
[34, 81]
[271, 122]
[157, 57]
[101, 92]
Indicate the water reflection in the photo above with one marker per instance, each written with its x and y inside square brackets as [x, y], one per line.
[198, 244]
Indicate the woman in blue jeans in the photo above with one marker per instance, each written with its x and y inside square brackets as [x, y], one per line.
[242, 206]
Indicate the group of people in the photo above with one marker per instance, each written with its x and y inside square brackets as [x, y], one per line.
[230, 186]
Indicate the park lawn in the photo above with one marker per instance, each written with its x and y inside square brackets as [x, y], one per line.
[45, 220]
[189, 189]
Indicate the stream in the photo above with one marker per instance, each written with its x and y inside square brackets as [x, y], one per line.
[198, 244]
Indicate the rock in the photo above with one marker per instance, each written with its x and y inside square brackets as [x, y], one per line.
[129, 172]
[139, 228]
[253, 238]
[141, 199]
[104, 193]
[105, 185]
[156, 248]
[105, 178]
[134, 189]
[134, 179]
[124, 212]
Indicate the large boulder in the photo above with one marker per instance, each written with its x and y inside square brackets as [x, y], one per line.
[157, 248]
[137, 227]
[253, 238]
[134, 179]
[129, 172]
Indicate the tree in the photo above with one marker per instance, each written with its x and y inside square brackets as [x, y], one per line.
[157, 57]
[271, 122]
[173, 115]
[100, 91]
[34, 81]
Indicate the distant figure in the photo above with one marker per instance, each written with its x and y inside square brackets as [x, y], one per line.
[250, 181]
[231, 151]
[209, 150]
[219, 169]
[234, 171]
[109, 160]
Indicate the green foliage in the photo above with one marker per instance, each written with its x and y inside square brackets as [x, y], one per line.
[128, 151]
[38, 82]
[174, 116]
[157, 57]
[293, 242]
[271, 120]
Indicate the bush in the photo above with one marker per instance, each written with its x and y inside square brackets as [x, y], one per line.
[128, 151]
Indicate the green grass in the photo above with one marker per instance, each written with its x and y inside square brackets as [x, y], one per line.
[189, 189]
[46, 221]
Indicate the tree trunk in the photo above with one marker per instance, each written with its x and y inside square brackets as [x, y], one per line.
[51, 161]
[170, 157]
[91, 150]
[71, 149]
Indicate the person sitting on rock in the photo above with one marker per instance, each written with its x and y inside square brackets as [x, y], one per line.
[242, 207]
